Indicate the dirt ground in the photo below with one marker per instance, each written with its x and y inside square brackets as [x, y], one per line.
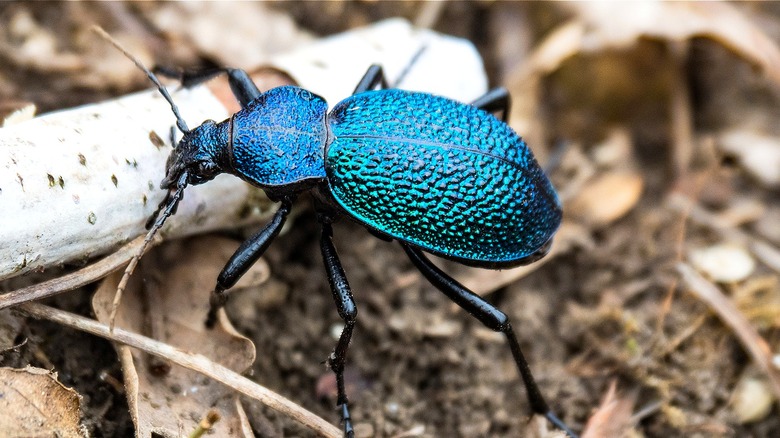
[646, 119]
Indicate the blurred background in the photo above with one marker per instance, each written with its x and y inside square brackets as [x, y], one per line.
[657, 312]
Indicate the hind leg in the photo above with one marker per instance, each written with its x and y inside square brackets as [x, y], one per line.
[492, 318]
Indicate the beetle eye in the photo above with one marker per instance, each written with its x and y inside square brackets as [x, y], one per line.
[207, 168]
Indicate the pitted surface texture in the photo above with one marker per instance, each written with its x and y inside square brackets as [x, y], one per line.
[444, 176]
[279, 138]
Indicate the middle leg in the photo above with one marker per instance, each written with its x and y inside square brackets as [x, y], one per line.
[342, 295]
[494, 101]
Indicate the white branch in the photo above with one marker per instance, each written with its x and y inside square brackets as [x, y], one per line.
[78, 183]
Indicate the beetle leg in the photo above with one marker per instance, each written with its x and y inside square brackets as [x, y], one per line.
[244, 257]
[374, 76]
[492, 318]
[188, 78]
[342, 295]
[241, 84]
[495, 100]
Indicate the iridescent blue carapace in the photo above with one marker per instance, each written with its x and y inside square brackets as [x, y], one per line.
[444, 176]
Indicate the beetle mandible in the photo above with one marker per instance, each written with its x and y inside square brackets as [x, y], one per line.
[436, 175]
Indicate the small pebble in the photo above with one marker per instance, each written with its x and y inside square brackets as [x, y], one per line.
[725, 263]
[752, 400]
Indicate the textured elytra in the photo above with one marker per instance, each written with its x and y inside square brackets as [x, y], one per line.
[278, 139]
[441, 175]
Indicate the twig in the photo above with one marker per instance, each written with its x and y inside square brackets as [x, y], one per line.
[680, 110]
[82, 277]
[764, 251]
[191, 361]
[755, 345]
[429, 14]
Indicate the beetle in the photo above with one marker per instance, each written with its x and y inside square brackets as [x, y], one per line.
[436, 175]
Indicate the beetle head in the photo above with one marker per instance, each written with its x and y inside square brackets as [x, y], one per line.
[198, 156]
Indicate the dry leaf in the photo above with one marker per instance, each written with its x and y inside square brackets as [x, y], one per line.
[37, 48]
[607, 197]
[613, 416]
[612, 193]
[34, 404]
[167, 299]
[675, 21]
[596, 28]
[241, 36]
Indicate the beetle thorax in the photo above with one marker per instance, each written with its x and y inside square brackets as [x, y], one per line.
[278, 140]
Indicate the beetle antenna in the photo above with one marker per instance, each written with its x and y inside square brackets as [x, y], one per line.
[172, 203]
[405, 72]
[180, 123]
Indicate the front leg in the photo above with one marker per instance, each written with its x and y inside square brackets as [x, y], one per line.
[342, 295]
[242, 86]
[244, 257]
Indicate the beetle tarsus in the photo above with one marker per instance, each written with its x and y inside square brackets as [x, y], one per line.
[345, 304]
[217, 300]
[552, 418]
[349, 431]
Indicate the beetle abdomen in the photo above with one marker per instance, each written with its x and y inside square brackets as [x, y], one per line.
[441, 175]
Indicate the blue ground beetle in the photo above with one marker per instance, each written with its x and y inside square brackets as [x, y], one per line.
[436, 175]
